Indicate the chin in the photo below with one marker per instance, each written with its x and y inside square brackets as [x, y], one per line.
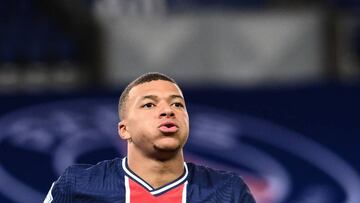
[166, 153]
[167, 148]
[171, 148]
[168, 143]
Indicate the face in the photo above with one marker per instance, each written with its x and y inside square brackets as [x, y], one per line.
[156, 118]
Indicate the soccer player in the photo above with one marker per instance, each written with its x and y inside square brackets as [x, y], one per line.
[155, 124]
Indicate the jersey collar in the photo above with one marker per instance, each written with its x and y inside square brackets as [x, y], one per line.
[147, 186]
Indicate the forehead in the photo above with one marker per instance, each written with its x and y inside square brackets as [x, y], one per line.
[159, 88]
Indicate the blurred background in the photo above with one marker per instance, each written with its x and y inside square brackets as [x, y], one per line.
[275, 84]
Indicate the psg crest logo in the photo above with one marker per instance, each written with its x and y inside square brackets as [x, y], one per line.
[281, 166]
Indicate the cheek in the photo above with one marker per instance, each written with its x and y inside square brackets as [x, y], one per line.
[140, 126]
[185, 119]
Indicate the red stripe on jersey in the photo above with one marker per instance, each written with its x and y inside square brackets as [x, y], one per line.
[138, 194]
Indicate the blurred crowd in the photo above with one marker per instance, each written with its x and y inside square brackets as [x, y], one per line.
[56, 44]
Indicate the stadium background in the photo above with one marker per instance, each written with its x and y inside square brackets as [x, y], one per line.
[272, 89]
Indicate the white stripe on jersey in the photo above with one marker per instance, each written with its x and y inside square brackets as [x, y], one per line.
[174, 184]
[49, 198]
[134, 176]
[149, 187]
[127, 190]
[184, 192]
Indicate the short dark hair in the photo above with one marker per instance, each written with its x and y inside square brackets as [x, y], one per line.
[147, 77]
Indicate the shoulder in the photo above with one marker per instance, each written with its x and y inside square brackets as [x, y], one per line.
[84, 175]
[208, 175]
[106, 167]
[101, 167]
[86, 180]
[220, 186]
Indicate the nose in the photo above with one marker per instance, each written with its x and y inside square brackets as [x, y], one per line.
[167, 112]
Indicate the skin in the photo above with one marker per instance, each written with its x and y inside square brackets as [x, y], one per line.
[149, 106]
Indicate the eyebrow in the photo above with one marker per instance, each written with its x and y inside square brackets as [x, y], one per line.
[155, 98]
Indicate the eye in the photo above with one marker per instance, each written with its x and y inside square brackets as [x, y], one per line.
[178, 105]
[148, 105]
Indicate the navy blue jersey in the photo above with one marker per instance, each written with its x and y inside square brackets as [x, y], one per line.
[113, 181]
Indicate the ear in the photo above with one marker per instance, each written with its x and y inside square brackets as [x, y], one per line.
[122, 130]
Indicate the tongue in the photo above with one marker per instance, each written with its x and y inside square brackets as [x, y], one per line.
[168, 129]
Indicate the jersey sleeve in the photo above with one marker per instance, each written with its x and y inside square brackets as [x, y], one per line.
[242, 192]
[61, 191]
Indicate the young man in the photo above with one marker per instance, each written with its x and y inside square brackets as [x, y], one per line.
[155, 124]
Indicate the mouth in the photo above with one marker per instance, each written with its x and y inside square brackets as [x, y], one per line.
[168, 127]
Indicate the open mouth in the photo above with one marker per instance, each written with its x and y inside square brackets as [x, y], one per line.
[168, 127]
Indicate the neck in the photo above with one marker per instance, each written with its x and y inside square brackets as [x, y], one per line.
[156, 172]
